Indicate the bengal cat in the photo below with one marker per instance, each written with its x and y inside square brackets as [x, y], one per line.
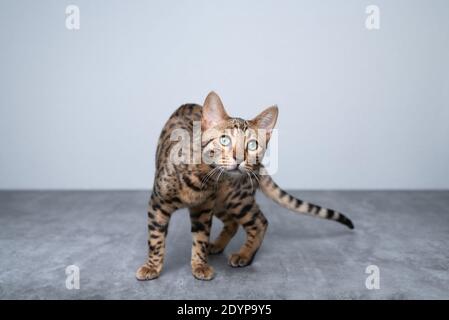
[222, 182]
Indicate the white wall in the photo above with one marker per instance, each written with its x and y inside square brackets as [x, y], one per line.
[358, 108]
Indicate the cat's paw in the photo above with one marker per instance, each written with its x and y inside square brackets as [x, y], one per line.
[238, 260]
[147, 272]
[203, 272]
[215, 249]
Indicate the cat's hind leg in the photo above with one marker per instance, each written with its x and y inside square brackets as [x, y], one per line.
[230, 227]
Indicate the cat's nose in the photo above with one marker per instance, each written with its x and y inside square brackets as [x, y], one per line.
[239, 160]
[238, 153]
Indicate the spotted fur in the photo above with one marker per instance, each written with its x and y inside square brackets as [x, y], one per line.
[224, 188]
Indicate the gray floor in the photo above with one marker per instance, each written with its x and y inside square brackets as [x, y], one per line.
[406, 234]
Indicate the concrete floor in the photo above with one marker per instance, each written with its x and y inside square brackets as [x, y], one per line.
[406, 234]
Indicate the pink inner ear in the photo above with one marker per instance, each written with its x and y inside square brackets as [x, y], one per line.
[211, 119]
[213, 111]
[267, 119]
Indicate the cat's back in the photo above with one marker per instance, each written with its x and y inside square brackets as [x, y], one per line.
[182, 118]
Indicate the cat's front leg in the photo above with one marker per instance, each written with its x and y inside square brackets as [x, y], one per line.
[201, 219]
[248, 214]
[159, 213]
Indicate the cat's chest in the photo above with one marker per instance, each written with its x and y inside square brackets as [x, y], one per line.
[193, 198]
[193, 189]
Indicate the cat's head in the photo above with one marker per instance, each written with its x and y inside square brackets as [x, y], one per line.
[234, 144]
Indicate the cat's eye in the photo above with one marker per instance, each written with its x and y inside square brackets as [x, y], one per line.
[252, 145]
[225, 140]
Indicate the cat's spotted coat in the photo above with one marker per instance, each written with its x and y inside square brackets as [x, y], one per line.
[225, 188]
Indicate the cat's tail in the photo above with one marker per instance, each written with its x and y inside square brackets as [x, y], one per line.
[275, 193]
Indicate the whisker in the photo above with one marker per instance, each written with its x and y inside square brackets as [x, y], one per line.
[218, 179]
[255, 176]
[214, 172]
[208, 176]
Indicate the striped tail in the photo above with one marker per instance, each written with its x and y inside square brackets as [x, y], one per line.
[275, 193]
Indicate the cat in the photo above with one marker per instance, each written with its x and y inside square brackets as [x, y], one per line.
[222, 184]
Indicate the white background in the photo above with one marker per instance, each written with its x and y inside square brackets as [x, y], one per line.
[359, 109]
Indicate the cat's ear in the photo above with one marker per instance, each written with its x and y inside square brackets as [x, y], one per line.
[266, 120]
[213, 111]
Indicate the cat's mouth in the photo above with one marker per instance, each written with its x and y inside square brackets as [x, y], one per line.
[234, 172]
